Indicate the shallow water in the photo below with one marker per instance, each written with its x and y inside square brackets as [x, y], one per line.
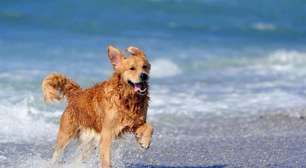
[211, 60]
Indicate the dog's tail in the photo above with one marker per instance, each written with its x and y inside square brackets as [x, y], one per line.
[55, 86]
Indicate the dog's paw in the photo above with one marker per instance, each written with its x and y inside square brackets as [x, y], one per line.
[144, 136]
[144, 143]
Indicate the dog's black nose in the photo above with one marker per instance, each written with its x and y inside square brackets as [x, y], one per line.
[144, 77]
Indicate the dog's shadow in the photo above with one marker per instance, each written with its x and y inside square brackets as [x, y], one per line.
[164, 166]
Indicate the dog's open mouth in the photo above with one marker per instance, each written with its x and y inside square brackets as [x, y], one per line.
[140, 88]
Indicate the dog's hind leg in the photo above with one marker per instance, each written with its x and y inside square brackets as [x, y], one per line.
[68, 130]
[105, 147]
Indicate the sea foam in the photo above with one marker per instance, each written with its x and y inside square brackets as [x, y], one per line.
[263, 26]
[164, 68]
[19, 123]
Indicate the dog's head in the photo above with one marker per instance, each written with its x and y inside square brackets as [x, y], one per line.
[134, 69]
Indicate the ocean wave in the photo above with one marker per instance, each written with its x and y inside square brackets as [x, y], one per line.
[264, 26]
[282, 62]
[164, 68]
[277, 59]
[19, 122]
[203, 101]
[283, 56]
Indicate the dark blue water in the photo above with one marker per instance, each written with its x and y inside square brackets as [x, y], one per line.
[169, 28]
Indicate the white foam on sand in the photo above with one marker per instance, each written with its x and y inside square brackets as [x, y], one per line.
[38, 162]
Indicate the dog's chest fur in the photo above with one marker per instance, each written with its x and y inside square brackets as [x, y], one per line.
[133, 111]
[131, 108]
[128, 110]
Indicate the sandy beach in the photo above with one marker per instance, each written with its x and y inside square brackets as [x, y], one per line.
[272, 141]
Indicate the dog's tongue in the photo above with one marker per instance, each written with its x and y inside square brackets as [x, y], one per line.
[137, 87]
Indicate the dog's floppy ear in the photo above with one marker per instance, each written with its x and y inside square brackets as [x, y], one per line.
[115, 56]
[135, 51]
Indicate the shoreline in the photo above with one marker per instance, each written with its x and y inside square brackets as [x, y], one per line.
[264, 141]
[271, 141]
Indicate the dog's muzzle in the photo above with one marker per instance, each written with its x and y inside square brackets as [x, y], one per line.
[141, 87]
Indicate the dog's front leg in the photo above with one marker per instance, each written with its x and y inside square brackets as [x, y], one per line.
[105, 147]
[144, 135]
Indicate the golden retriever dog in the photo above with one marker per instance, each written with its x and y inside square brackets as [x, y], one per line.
[108, 109]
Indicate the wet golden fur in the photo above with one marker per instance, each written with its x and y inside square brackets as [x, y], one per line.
[108, 109]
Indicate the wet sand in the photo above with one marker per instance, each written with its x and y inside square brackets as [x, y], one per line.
[262, 141]
[271, 141]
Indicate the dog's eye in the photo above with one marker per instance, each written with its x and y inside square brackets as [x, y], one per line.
[132, 68]
[144, 67]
